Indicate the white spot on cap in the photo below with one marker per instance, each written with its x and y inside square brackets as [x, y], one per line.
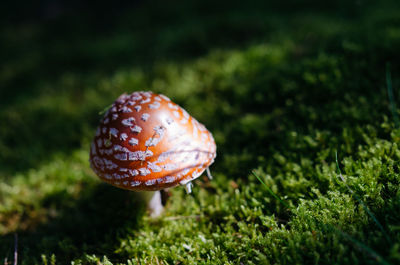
[184, 181]
[153, 167]
[185, 171]
[147, 94]
[159, 130]
[122, 169]
[152, 142]
[136, 96]
[150, 182]
[155, 105]
[104, 130]
[123, 136]
[147, 100]
[121, 156]
[122, 98]
[172, 106]
[133, 172]
[114, 116]
[160, 180]
[144, 171]
[196, 173]
[137, 155]
[136, 129]
[135, 183]
[133, 141]
[106, 120]
[176, 114]
[169, 179]
[98, 162]
[145, 116]
[99, 143]
[165, 97]
[195, 130]
[163, 156]
[170, 167]
[114, 132]
[137, 108]
[109, 164]
[201, 127]
[117, 147]
[125, 109]
[157, 98]
[128, 122]
[185, 114]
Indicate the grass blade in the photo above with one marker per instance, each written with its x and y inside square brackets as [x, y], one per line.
[270, 191]
[362, 246]
[104, 110]
[391, 96]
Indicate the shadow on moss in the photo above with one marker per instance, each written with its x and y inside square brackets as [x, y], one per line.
[76, 226]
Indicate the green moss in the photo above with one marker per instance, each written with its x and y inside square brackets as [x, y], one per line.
[282, 88]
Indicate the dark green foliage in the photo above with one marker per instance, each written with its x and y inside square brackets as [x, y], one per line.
[282, 86]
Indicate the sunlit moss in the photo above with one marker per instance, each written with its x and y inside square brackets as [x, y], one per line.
[281, 88]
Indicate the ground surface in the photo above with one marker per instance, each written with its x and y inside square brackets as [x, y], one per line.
[282, 86]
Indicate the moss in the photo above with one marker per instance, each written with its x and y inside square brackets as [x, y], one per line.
[281, 89]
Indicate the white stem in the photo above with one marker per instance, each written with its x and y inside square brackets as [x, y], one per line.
[155, 206]
[210, 177]
[188, 187]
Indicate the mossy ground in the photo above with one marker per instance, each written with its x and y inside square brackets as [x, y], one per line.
[283, 86]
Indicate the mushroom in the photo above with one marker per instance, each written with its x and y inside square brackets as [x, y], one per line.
[145, 142]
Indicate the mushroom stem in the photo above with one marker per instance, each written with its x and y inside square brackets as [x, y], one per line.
[155, 205]
[188, 187]
[210, 177]
[157, 202]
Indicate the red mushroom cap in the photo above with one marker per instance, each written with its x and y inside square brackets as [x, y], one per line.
[147, 142]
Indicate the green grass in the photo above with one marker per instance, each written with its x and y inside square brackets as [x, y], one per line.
[283, 87]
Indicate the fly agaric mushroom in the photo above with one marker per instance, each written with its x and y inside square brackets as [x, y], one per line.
[145, 142]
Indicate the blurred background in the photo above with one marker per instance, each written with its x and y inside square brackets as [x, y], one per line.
[282, 85]
[63, 61]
